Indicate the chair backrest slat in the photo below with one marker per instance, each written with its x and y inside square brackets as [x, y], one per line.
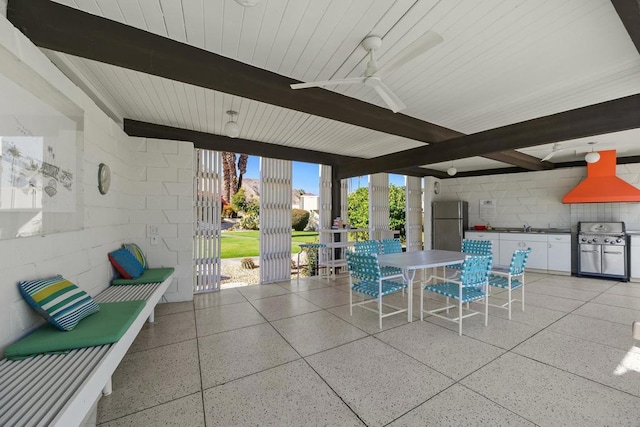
[363, 267]
[391, 246]
[367, 247]
[477, 247]
[519, 261]
[475, 270]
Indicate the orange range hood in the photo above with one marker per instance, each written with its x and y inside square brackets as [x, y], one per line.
[602, 185]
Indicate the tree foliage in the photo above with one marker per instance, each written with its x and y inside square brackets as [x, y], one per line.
[358, 208]
[239, 201]
[397, 204]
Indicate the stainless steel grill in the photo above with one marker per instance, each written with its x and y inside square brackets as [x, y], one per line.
[603, 250]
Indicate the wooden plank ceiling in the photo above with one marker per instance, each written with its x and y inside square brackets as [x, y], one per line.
[501, 62]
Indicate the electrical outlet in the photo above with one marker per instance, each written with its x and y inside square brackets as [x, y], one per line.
[155, 240]
[152, 230]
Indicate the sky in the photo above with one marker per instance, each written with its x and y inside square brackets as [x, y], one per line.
[305, 176]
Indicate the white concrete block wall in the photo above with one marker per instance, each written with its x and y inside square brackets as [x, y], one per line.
[535, 198]
[149, 181]
[164, 185]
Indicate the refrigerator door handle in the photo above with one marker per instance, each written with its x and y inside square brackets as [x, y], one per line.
[460, 229]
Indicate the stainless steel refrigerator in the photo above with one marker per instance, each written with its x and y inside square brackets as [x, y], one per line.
[448, 222]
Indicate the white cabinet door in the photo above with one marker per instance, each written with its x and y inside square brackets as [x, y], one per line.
[509, 242]
[559, 252]
[507, 248]
[494, 237]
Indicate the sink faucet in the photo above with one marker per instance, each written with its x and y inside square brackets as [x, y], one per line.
[526, 228]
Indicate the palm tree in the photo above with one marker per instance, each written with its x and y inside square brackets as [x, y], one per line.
[230, 175]
[242, 168]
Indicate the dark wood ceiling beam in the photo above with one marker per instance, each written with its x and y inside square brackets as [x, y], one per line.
[54, 26]
[215, 142]
[519, 159]
[606, 117]
[210, 141]
[561, 165]
[57, 27]
[629, 13]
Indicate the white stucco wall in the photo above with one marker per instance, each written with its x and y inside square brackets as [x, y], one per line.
[151, 184]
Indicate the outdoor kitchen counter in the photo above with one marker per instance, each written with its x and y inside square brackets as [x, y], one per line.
[550, 247]
[533, 230]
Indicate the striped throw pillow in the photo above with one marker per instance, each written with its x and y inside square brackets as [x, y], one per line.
[58, 300]
[137, 252]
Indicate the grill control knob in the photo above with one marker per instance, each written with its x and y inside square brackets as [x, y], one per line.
[607, 240]
[595, 239]
[584, 239]
[618, 240]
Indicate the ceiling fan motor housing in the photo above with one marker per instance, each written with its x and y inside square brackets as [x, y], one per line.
[372, 43]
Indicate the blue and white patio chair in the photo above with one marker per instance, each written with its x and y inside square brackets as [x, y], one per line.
[472, 286]
[390, 246]
[367, 247]
[473, 247]
[511, 278]
[376, 247]
[365, 278]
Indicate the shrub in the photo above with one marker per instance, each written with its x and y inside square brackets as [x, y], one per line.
[247, 263]
[239, 201]
[253, 207]
[299, 219]
[249, 222]
[227, 211]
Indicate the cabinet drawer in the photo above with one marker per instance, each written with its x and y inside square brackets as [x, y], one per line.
[559, 238]
[523, 237]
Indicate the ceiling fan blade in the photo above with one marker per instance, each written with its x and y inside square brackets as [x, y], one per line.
[350, 80]
[390, 98]
[418, 47]
[548, 156]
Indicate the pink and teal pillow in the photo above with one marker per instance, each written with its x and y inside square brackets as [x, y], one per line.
[58, 300]
[137, 252]
[126, 264]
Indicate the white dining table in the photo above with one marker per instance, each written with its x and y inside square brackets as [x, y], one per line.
[410, 262]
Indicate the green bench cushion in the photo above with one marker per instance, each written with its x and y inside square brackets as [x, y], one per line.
[152, 275]
[103, 327]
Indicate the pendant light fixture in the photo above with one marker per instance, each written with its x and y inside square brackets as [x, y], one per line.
[452, 170]
[592, 156]
[231, 128]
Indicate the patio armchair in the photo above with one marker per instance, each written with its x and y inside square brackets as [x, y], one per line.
[472, 286]
[365, 278]
[511, 278]
[474, 247]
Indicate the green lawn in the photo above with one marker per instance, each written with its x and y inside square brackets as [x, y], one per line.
[239, 244]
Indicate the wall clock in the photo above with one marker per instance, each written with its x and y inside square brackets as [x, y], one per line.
[104, 178]
[436, 187]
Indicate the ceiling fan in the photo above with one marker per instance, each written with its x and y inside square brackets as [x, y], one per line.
[371, 76]
[558, 147]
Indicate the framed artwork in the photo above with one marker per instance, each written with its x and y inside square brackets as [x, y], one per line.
[41, 151]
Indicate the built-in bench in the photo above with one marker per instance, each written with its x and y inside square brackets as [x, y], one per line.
[64, 389]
